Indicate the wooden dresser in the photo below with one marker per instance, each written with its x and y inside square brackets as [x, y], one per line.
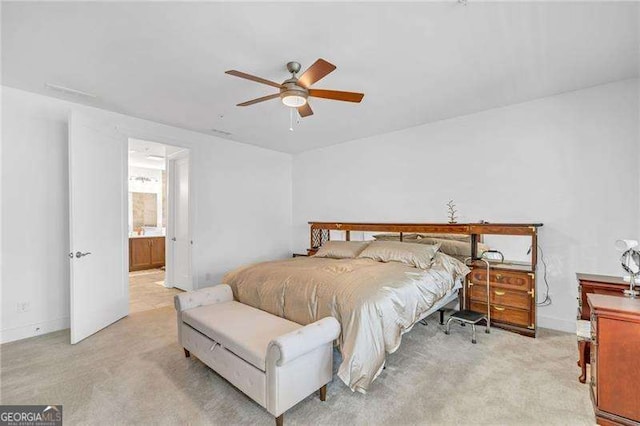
[597, 284]
[615, 371]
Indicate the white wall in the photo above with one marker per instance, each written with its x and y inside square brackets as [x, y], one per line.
[242, 201]
[569, 161]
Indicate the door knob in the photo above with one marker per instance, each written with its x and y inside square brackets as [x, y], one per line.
[173, 239]
[80, 254]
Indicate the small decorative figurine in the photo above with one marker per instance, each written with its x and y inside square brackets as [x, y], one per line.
[451, 208]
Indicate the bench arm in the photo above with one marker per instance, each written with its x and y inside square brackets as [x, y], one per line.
[304, 340]
[203, 297]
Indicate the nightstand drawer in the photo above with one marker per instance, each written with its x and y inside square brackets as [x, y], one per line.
[522, 281]
[504, 313]
[500, 296]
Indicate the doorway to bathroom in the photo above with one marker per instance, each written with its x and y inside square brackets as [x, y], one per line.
[158, 224]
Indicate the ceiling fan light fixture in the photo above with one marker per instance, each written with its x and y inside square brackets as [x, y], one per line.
[294, 101]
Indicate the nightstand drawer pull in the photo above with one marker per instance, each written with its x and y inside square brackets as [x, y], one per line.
[500, 293]
[498, 308]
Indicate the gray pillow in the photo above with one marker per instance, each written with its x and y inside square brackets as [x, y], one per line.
[457, 249]
[416, 255]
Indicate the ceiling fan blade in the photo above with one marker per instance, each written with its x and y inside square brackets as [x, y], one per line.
[336, 95]
[305, 110]
[316, 72]
[262, 99]
[253, 78]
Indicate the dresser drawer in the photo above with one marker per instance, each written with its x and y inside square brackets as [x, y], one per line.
[504, 313]
[513, 280]
[500, 296]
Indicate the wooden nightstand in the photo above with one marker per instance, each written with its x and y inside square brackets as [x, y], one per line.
[513, 303]
[310, 252]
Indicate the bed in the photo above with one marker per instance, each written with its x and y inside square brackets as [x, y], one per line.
[375, 302]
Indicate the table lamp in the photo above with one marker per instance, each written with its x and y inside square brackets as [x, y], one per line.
[630, 261]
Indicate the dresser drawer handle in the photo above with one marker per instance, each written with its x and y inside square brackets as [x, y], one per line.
[498, 308]
[500, 293]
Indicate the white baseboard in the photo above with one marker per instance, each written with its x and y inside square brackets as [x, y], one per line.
[559, 324]
[30, 330]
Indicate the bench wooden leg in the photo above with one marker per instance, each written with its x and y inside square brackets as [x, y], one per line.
[187, 353]
[582, 361]
[323, 393]
[280, 420]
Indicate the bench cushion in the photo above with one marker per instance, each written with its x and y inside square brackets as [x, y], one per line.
[242, 329]
[583, 330]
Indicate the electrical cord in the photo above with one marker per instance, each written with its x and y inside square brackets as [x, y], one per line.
[547, 299]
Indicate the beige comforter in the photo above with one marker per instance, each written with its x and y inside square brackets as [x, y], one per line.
[374, 302]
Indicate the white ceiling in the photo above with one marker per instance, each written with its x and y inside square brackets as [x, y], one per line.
[416, 62]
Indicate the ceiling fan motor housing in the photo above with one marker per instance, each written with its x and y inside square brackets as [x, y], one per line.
[291, 88]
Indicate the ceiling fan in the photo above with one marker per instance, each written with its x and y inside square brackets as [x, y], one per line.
[294, 91]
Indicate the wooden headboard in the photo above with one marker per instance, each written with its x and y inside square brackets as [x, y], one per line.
[320, 231]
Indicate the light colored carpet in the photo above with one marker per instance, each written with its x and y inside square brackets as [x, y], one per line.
[146, 294]
[134, 372]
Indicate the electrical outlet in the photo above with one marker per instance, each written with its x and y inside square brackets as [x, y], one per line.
[23, 307]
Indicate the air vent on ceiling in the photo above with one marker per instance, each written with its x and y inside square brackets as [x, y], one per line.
[69, 91]
[221, 132]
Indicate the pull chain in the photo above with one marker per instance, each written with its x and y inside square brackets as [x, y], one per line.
[291, 119]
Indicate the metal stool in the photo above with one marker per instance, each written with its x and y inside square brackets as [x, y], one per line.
[466, 316]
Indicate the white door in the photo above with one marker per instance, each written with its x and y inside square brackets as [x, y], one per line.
[179, 265]
[98, 225]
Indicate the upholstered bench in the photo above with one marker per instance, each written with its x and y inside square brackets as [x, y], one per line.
[275, 362]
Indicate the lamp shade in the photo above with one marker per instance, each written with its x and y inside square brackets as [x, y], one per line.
[624, 245]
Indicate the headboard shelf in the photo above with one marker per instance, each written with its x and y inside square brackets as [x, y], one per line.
[449, 228]
[320, 232]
